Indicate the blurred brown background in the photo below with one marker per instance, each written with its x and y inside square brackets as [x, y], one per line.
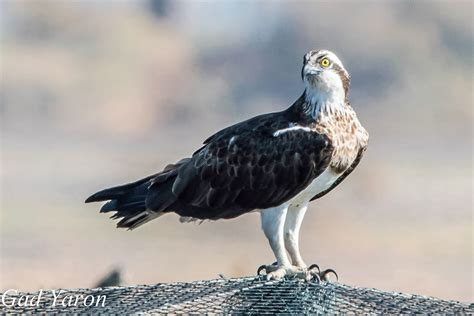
[95, 94]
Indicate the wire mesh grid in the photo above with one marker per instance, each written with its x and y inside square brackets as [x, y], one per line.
[250, 295]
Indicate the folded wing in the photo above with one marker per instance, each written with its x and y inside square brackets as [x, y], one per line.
[245, 167]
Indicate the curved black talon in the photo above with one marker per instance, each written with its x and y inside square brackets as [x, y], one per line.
[323, 275]
[261, 268]
[264, 267]
[311, 267]
[315, 275]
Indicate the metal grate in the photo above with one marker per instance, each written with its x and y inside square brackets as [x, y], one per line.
[251, 295]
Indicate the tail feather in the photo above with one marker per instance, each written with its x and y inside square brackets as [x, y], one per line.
[141, 201]
[110, 206]
[137, 220]
[128, 201]
[115, 192]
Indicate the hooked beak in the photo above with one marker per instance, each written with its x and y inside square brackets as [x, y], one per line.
[309, 70]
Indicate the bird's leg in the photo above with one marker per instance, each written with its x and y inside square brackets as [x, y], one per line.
[273, 222]
[294, 218]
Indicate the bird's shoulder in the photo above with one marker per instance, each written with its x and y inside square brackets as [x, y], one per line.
[262, 125]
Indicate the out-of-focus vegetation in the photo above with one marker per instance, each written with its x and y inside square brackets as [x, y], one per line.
[97, 93]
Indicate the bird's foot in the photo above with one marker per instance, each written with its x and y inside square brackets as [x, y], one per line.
[275, 272]
[322, 275]
[268, 268]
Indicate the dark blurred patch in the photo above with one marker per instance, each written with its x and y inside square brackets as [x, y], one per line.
[461, 44]
[114, 278]
[371, 78]
[160, 8]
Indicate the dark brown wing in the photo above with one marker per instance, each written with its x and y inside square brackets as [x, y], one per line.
[344, 175]
[242, 168]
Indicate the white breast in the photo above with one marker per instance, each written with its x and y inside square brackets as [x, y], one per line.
[321, 183]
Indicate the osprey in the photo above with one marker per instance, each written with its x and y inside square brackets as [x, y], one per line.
[274, 163]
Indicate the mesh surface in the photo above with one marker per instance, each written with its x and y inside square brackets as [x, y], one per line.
[243, 295]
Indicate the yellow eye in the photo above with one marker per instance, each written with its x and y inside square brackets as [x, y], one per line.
[324, 62]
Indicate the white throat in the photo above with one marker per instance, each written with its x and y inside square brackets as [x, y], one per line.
[325, 95]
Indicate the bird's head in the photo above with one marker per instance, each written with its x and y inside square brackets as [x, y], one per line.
[325, 76]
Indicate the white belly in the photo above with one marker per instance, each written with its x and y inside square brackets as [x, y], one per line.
[321, 183]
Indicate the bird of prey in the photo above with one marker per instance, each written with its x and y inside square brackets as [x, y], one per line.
[274, 163]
